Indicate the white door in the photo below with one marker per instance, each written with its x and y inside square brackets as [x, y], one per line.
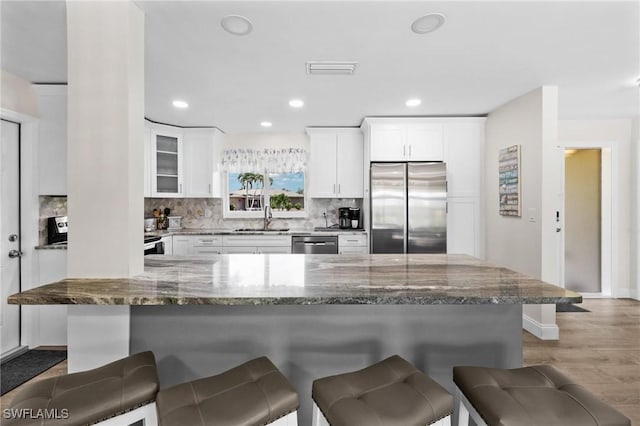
[9, 235]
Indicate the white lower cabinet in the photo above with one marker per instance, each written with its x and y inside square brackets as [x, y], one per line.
[353, 244]
[256, 244]
[50, 322]
[168, 244]
[463, 230]
[183, 245]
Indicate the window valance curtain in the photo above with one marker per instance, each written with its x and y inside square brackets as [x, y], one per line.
[283, 160]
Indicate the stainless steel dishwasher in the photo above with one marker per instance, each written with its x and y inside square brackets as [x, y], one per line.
[315, 245]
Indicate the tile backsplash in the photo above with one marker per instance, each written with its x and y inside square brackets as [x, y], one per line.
[207, 213]
[50, 206]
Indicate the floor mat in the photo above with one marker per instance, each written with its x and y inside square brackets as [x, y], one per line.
[565, 307]
[21, 369]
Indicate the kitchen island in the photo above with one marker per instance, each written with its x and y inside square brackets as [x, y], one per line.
[312, 315]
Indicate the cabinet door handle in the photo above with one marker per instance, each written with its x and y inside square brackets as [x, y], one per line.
[180, 191]
[338, 188]
[209, 188]
[409, 150]
[334, 188]
[404, 150]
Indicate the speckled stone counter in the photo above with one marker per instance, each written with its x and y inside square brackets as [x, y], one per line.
[306, 280]
[312, 315]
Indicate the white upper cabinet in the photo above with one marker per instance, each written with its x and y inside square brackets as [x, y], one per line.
[200, 163]
[425, 142]
[166, 162]
[336, 163]
[52, 139]
[406, 142]
[464, 143]
[388, 143]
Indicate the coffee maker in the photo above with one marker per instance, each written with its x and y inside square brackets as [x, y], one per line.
[344, 218]
[354, 218]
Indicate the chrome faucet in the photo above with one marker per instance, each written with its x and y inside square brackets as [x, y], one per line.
[267, 217]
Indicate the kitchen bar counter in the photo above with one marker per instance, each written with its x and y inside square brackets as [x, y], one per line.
[312, 315]
[282, 279]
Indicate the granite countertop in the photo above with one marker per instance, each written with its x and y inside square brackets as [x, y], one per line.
[298, 279]
[211, 231]
[204, 231]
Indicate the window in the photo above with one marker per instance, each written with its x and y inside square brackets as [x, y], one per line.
[250, 192]
[268, 177]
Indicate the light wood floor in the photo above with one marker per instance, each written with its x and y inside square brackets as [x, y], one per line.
[599, 349]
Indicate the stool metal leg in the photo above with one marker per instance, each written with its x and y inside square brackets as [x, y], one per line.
[290, 419]
[318, 418]
[446, 421]
[147, 414]
[465, 409]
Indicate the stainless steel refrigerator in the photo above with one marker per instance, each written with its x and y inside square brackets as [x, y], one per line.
[408, 208]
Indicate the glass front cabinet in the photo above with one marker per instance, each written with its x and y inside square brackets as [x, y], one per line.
[166, 164]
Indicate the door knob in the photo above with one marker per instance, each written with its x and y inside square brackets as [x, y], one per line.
[14, 253]
[13, 238]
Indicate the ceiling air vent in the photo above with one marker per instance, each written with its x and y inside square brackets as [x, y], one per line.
[331, 67]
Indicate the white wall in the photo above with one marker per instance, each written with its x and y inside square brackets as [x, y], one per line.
[17, 95]
[105, 133]
[617, 134]
[526, 244]
[635, 199]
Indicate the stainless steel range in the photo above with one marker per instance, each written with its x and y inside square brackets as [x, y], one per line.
[153, 245]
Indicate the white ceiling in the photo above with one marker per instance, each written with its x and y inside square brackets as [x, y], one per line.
[485, 54]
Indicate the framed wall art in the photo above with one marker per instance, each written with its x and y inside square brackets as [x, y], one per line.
[509, 181]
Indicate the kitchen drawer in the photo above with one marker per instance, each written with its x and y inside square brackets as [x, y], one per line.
[353, 250]
[352, 240]
[207, 241]
[207, 250]
[256, 240]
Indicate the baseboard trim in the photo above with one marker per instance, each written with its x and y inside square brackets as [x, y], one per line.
[541, 331]
[14, 353]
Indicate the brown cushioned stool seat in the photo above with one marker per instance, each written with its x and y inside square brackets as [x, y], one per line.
[254, 393]
[391, 392]
[536, 395]
[90, 396]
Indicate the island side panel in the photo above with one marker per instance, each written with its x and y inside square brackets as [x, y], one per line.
[97, 335]
[309, 342]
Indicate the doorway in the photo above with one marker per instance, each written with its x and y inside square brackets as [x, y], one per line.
[587, 220]
[10, 246]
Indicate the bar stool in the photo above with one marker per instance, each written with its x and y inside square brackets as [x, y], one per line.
[254, 393]
[391, 392]
[536, 395]
[120, 393]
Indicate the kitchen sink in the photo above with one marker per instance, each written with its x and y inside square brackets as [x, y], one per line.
[261, 230]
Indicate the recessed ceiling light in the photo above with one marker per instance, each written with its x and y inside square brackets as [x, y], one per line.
[266, 124]
[296, 103]
[427, 23]
[236, 25]
[180, 104]
[413, 102]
